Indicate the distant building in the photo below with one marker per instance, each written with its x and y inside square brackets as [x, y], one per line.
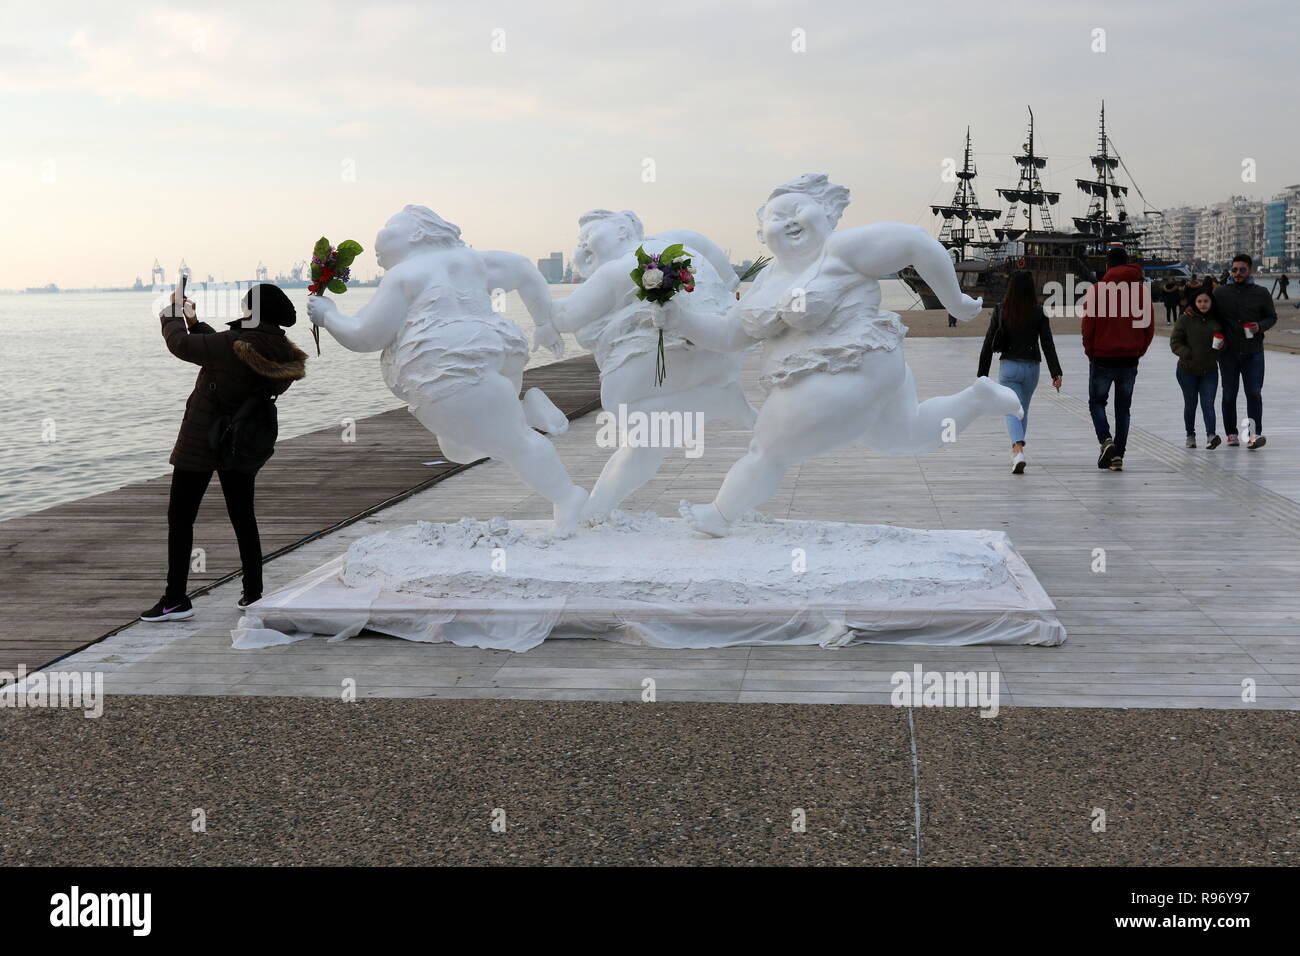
[552, 267]
[1282, 228]
[1227, 228]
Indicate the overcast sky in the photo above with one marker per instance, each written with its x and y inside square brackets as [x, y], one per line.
[236, 132]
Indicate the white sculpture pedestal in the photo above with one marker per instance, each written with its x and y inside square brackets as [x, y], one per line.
[653, 582]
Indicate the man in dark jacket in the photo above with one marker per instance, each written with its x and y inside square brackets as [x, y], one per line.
[253, 355]
[1246, 311]
[1118, 326]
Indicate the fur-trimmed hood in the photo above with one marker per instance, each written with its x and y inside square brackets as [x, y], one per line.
[287, 361]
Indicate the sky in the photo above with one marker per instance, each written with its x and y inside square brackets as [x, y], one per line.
[228, 134]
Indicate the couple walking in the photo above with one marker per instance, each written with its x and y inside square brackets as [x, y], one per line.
[1220, 336]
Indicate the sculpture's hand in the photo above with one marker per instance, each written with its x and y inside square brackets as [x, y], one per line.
[667, 315]
[319, 309]
[968, 309]
[548, 337]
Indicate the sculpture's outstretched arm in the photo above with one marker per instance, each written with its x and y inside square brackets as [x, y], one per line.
[375, 326]
[717, 333]
[592, 300]
[511, 272]
[707, 248]
[886, 247]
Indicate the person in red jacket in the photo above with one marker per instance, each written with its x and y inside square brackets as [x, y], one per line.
[1118, 326]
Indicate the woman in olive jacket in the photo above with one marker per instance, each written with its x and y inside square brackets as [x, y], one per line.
[1193, 341]
[252, 355]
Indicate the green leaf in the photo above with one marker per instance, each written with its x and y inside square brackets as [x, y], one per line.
[671, 253]
[322, 249]
[315, 271]
[337, 286]
[642, 256]
[351, 247]
[342, 260]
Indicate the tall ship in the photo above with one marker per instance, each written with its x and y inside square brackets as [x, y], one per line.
[1028, 237]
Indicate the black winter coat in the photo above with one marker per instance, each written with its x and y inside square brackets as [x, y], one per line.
[234, 364]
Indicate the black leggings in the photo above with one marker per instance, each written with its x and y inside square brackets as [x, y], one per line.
[188, 488]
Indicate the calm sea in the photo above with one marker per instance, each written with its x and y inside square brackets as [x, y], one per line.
[90, 398]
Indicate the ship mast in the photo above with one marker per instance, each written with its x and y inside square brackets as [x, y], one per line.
[1028, 191]
[1101, 221]
[964, 220]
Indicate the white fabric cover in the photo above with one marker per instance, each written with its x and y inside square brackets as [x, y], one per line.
[652, 582]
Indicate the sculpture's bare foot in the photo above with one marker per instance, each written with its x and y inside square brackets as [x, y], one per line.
[997, 399]
[567, 513]
[706, 519]
[540, 413]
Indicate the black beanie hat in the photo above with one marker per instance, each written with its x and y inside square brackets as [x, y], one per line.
[268, 303]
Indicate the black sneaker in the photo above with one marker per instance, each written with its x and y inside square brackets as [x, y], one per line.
[168, 609]
[245, 600]
[1116, 464]
[1214, 442]
[1107, 453]
[1256, 442]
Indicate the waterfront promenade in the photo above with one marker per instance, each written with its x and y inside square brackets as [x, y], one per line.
[1201, 551]
[1139, 714]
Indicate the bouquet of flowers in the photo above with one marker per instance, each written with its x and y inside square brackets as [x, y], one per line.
[658, 278]
[330, 269]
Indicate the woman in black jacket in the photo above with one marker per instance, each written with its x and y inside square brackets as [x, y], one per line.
[1016, 329]
[254, 357]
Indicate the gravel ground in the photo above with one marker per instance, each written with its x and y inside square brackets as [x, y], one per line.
[286, 781]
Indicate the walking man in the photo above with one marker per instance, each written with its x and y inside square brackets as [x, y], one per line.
[1282, 283]
[1246, 311]
[1118, 326]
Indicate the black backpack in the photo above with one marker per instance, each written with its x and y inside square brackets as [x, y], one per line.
[245, 440]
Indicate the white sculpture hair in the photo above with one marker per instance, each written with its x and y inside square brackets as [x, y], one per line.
[432, 229]
[627, 218]
[832, 198]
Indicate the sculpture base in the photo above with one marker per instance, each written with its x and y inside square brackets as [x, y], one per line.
[652, 581]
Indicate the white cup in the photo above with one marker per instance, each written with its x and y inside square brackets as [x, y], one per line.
[1218, 342]
[1250, 333]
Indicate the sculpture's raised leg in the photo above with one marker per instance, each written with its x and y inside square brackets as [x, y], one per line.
[875, 404]
[487, 420]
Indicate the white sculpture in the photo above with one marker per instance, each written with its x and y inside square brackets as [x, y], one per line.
[456, 362]
[621, 332]
[833, 359]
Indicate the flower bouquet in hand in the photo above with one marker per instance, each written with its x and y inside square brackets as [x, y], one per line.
[330, 269]
[658, 278]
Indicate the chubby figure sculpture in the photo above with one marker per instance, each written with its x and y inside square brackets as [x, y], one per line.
[622, 332]
[456, 362]
[833, 364]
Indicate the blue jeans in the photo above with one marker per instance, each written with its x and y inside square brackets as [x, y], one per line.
[1100, 380]
[1204, 387]
[1243, 371]
[1022, 378]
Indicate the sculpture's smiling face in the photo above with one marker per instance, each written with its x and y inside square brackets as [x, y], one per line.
[794, 225]
[394, 241]
[598, 241]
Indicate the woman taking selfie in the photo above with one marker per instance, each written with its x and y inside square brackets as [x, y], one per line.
[229, 427]
[1016, 330]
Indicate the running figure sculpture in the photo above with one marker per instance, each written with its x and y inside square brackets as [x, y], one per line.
[833, 362]
[456, 362]
[620, 330]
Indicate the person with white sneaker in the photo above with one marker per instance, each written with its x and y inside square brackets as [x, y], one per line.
[1017, 329]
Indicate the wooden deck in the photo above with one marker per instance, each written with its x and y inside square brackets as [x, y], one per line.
[1198, 594]
[74, 572]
